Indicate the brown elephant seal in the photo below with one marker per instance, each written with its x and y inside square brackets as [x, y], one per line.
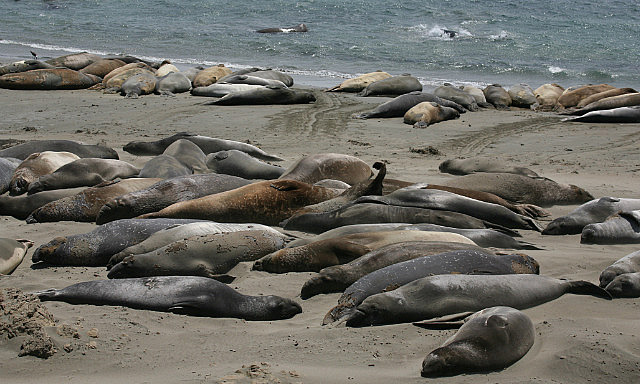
[36, 165]
[625, 100]
[85, 206]
[359, 83]
[189, 154]
[324, 253]
[172, 83]
[21, 206]
[571, 97]
[102, 67]
[625, 285]
[594, 211]
[336, 166]
[267, 95]
[296, 28]
[522, 96]
[497, 96]
[115, 79]
[481, 164]
[75, 61]
[392, 86]
[48, 79]
[627, 115]
[12, 253]
[426, 113]
[137, 85]
[190, 295]
[547, 96]
[210, 75]
[7, 168]
[265, 202]
[628, 264]
[241, 164]
[23, 66]
[603, 95]
[449, 92]
[491, 339]
[621, 228]
[22, 151]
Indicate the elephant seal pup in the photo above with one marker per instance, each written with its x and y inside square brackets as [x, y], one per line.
[621, 228]
[628, 264]
[481, 164]
[491, 339]
[102, 67]
[295, 28]
[602, 95]
[571, 97]
[522, 96]
[337, 278]
[36, 165]
[7, 168]
[93, 249]
[21, 206]
[164, 167]
[204, 255]
[253, 80]
[222, 89]
[324, 253]
[207, 144]
[451, 294]
[48, 79]
[522, 189]
[392, 86]
[464, 262]
[210, 75]
[23, 66]
[547, 96]
[594, 211]
[12, 253]
[449, 92]
[628, 115]
[359, 83]
[265, 202]
[172, 83]
[22, 151]
[167, 192]
[398, 106]
[241, 164]
[138, 85]
[336, 166]
[426, 113]
[190, 295]
[497, 96]
[84, 206]
[266, 95]
[625, 285]
[84, 172]
[74, 60]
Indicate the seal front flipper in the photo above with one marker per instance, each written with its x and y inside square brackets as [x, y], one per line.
[47, 294]
[444, 322]
[186, 308]
[581, 287]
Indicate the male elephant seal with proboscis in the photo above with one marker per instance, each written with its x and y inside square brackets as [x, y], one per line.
[628, 264]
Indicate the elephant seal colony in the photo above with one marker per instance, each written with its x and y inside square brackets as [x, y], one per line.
[261, 316]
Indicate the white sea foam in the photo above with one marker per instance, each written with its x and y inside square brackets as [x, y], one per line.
[554, 69]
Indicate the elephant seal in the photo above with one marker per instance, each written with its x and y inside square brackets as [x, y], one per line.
[24, 66]
[295, 28]
[21, 206]
[12, 253]
[595, 211]
[450, 294]
[102, 67]
[84, 172]
[602, 95]
[93, 249]
[7, 168]
[337, 278]
[621, 228]
[460, 263]
[273, 75]
[491, 339]
[166, 68]
[172, 83]
[36, 165]
[48, 79]
[522, 96]
[191, 295]
[458, 96]
[497, 96]
[426, 113]
[393, 86]
[84, 206]
[615, 115]
[222, 89]
[204, 255]
[113, 84]
[75, 61]
[336, 166]
[265, 202]
[628, 264]
[481, 164]
[522, 189]
[359, 83]
[207, 144]
[324, 253]
[547, 96]
[477, 94]
[167, 192]
[189, 154]
[398, 106]
[241, 164]
[253, 80]
[210, 75]
[266, 95]
[625, 285]
[626, 100]
[137, 85]
[164, 167]
[22, 151]
[571, 97]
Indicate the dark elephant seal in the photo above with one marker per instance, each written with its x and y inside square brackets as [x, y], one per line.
[48, 79]
[625, 285]
[12, 253]
[172, 83]
[138, 85]
[324, 253]
[481, 164]
[450, 294]
[336, 166]
[204, 255]
[191, 295]
[93, 249]
[627, 115]
[222, 89]
[23, 66]
[167, 192]
[253, 80]
[74, 60]
[595, 211]
[22, 151]
[207, 144]
[295, 28]
[21, 206]
[36, 165]
[358, 84]
[7, 168]
[491, 339]
[497, 96]
[628, 264]
[84, 206]
[602, 95]
[393, 86]
[84, 172]
[522, 189]
[265, 202]
[522, 96]
[460, 263]
[426, 113]
[398, 106]
[164, 167]
[266, 95]
[102, 67]
[241, 164]
[622, 228]
[457, 95]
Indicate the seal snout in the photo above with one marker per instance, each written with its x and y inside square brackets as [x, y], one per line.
[433, 366]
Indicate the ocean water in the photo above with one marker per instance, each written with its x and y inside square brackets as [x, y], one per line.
[499, 41]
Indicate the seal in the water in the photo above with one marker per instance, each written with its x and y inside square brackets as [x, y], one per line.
[336, 166]
[12, 253]
[398, 106]
[22, 151]
[241, 164]
[497, 96]
[621, 228]
[393, 86]
[48, 79]
[457, 95]
[489, 340]
[36, 165]
[482, 164]
[628, 264]
[625, 285]
[21, 206]
[296, 28]
[595, 211]
[359, 83]
[191, 295]
[426, 113]
[266, 95]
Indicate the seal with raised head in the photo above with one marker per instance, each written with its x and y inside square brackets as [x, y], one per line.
[393, 86]
[594, 211]
[398, 106]
[491, 339]
[359, 83]
[48, 79]
[625, 285]
[266, 95]
[628, 264]
[621, 228]
[241, 164]
[426, 113]
[629, 115]
[296, 28]
[22, 151]
[497, 96]
[191, 295]
[12, 253]
[36, 165]
[336, 166]
[481, 164]
[21, 206]
[449, 92]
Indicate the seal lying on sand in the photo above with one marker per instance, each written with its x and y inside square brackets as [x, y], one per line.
[398, 106]
[22, 151]
[616, 115]
[313, 168]
[7, 168]
[481, 164]
[48, 79]
[359, 83]
[621, 228]
[36, 165]
[266, 95]
[21, 206]
[625, 285]
[12, 253]
[595, 211]
[628, 264]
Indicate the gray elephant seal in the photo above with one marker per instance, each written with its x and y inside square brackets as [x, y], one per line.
[12, 253]
[21, 206]
[172, 83]
[628, 115]
[449, 92]
[398, 106]
[48, 79]
[628, 264]
[164, 167]
[336, 166]
[625, 285]
[189, 154]
[450, 294]
[489, 340]
[74, 60]
[426, 113]
[7, 168]
[497, 96]
[241, 164]
[522, 96]
[36, 165]
[626, 100]
[622, 228]
[296, 28]
[253, 80]
[393, 86]
[481, 164]
[595, 211]
[222, 89]
[23, 66]
[22, 151]
[266, 95]
[359, 83]
[190, 295]
[138, 85]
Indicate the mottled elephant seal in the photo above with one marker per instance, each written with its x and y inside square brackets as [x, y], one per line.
[359, 83]
[114, 81]
[36, 165]
[622, 228]
[241, 164]
[21, 206]
[595, 211]
[497, 96]
[547, 96]
[137, 85]
[489, 340]
[522, 96]
[191, 295]
[336, 166]
[74, 60]
[625, 285]
[296, 28]
[629, 115]
[482, 164]
[628, 264]
[458, 96]
[12, 253]
[210, 75]
[398, 106]
[48, 79]
[266, 95]
[22, 151]
[393, 86]
[426, 113]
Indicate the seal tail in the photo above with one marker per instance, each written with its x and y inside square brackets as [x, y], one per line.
[581, 287]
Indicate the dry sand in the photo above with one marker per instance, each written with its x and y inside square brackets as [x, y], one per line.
[578, 338]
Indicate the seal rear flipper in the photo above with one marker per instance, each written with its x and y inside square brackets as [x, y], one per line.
[452, 321]
[223, 278]
[500, 228]
[532, 210]
[581, 287]
[47, 294]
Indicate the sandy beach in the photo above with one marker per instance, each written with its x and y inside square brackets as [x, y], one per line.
[578, 338]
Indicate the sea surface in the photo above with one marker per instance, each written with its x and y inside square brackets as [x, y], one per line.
[499, 41]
